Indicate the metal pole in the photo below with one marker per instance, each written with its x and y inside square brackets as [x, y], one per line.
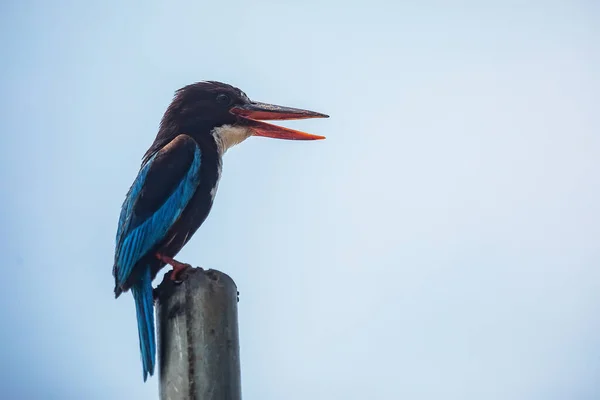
[198, 350]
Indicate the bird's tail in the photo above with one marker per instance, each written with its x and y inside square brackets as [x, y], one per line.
[144, 307]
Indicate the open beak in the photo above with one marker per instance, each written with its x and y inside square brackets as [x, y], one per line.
[251, 114]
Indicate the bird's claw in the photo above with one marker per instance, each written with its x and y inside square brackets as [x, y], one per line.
[177, 271]
[178, 267]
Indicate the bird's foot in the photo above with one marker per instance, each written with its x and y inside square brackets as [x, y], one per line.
[178, 267]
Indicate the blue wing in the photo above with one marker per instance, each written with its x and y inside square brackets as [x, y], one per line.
[162, 190]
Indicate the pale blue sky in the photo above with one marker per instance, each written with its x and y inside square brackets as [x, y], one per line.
[442, 243]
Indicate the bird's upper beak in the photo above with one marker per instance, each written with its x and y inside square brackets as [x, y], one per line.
[251, 114]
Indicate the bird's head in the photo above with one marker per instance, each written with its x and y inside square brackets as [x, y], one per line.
[226, 112]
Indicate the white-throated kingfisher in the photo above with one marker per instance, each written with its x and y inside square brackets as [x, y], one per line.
[176, 185]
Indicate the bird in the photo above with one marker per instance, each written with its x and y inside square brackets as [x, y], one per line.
[176, 185]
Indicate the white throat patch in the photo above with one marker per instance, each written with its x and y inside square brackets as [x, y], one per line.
[228, 136]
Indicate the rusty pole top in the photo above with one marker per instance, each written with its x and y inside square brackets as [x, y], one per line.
[198, 340]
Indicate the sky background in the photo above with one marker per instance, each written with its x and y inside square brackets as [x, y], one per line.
[441, 243]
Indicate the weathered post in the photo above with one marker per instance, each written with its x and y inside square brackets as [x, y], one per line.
[198, 343]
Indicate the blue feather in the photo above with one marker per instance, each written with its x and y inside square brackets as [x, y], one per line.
[133, 244]
[144, 308]
[130, 200]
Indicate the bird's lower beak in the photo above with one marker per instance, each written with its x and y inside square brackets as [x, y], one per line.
[251, 114]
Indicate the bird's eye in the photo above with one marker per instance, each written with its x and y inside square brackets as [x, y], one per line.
[223, 99]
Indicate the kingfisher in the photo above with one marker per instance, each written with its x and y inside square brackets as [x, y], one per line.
[176, 185]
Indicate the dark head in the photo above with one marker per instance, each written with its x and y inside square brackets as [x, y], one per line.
[203, 107]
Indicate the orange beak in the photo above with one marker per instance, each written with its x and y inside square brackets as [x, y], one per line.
[251, 114]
